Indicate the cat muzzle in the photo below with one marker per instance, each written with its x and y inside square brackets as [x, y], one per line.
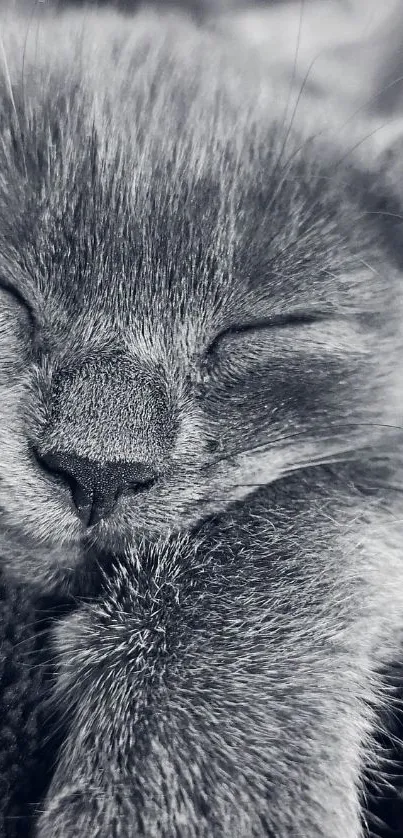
[96, 487]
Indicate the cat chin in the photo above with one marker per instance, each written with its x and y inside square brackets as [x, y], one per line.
[63, 563]
[59, 564]
[47, 568]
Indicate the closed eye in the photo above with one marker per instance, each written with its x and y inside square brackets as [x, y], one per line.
[279, 321]
[18, 297]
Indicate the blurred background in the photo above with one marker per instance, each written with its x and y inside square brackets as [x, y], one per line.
[353, 49]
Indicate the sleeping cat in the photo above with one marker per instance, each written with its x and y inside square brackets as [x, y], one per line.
[200, 351]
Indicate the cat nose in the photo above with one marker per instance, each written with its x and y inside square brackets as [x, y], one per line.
[96, 486]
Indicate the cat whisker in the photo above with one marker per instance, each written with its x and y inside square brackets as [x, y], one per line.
[302, 465]
[259, 446]
[369, 267]
[312, 137]
[30, 19]
[351, 117]
[301, 90]
[383, 212]
[8, 77]
[295, 62]
[345, 457]
[286, 437]
[372, 99]
[13, 104]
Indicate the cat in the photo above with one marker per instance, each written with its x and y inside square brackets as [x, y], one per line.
[200, 353]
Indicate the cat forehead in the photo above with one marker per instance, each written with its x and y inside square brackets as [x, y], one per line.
[98, 223]
[189, 212]
[176, 252]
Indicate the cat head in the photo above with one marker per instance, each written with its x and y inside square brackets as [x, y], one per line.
[194, 300]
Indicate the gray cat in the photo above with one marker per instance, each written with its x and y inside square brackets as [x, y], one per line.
[200, 352]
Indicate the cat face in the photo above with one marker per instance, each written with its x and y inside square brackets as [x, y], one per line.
[190, 306]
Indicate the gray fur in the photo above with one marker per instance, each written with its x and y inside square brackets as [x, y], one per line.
[151, 205]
